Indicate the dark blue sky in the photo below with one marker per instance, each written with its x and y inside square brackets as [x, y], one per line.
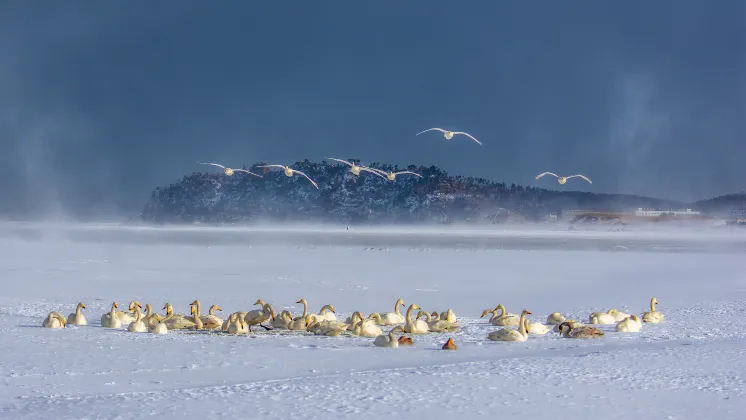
[103, 101]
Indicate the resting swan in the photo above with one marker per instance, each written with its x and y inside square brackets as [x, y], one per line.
[448, 316]
[415, 326]
[137, 325]
[155, 325]
[236, 325]
[126, 317]
[368, 327]
[504, 319]
[176, 322]
[53, 320]
[212, 321]
[301, 323]
[394, 318]
[536, 328]
[388, 340]
[327, 328]
[582, 331]
[281, 321]
[438, 325]
[630, 324]
[327, 313]
[77, 317]
[555, 319]
[652, 316]
[508, 334]
[601, 318]
[111, 319]
[618, 316]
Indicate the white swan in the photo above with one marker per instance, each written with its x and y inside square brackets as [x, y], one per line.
[177, 321]
[388, 340]
[327, 313]
[437, 325]
[126, 317]
[555, 319]
[289, 172]
[327, 328]
[618, 316]
[536, 328]
[355, 169]
[580, 331]
[137, 325]
[258, 317]
[229, 171]
[563, 179]
[156, 326]
[630, 324]
[150, 318]
[198, 325]
[448, 316]
[212, 321]
[301, 323]
[505, 319]
[236, 324]
[77, 317]
[394, 318]
[367, 327]
[601, 318]
[281, 321]
[53, 320]
[391, 176]
[449, 134]
[508, 334]
[652, 316]
[111, 319]
[415, 326]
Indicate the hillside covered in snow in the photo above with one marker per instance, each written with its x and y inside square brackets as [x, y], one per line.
[343, 197]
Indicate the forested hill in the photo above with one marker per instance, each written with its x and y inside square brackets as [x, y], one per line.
[343, 197]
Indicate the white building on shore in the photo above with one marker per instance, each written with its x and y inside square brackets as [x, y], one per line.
[640, 212]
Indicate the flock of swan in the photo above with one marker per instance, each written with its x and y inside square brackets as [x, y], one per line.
[325, 322]
[390, 175]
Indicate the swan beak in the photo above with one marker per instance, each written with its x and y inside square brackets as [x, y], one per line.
[139, 306]
[82, 306]
[164, 307]
[257, 302]
[484, 312]
[333, 311]
[300, 301]
[527, 312]
[116, 305]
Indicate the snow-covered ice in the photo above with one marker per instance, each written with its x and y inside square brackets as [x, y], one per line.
[691, 366]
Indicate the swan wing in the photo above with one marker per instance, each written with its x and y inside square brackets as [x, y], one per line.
[467, 135]
[546, 173]
[213, 164]
[580, 176]
[312, 181]
[271, 166]
[248, 172]
[431, 129]
[343, 161]
[407, 172]
[373, 171]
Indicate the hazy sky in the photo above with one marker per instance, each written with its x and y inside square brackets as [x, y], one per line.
[100, 102]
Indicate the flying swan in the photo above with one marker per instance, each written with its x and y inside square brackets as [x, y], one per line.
[563, 179]
[449, 134]
[355, 169]
[229, 171]
[289, 172]
[392, 175]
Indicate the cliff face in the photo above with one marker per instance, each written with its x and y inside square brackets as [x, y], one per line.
[343, 197]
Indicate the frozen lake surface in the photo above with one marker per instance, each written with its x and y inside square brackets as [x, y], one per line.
[691, 366]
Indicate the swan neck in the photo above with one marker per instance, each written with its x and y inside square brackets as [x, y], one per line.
[409, 314]
[305, 308]
[113, 310]
[396, 308]
[522, 325]
[77, 310]
[652, 305]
